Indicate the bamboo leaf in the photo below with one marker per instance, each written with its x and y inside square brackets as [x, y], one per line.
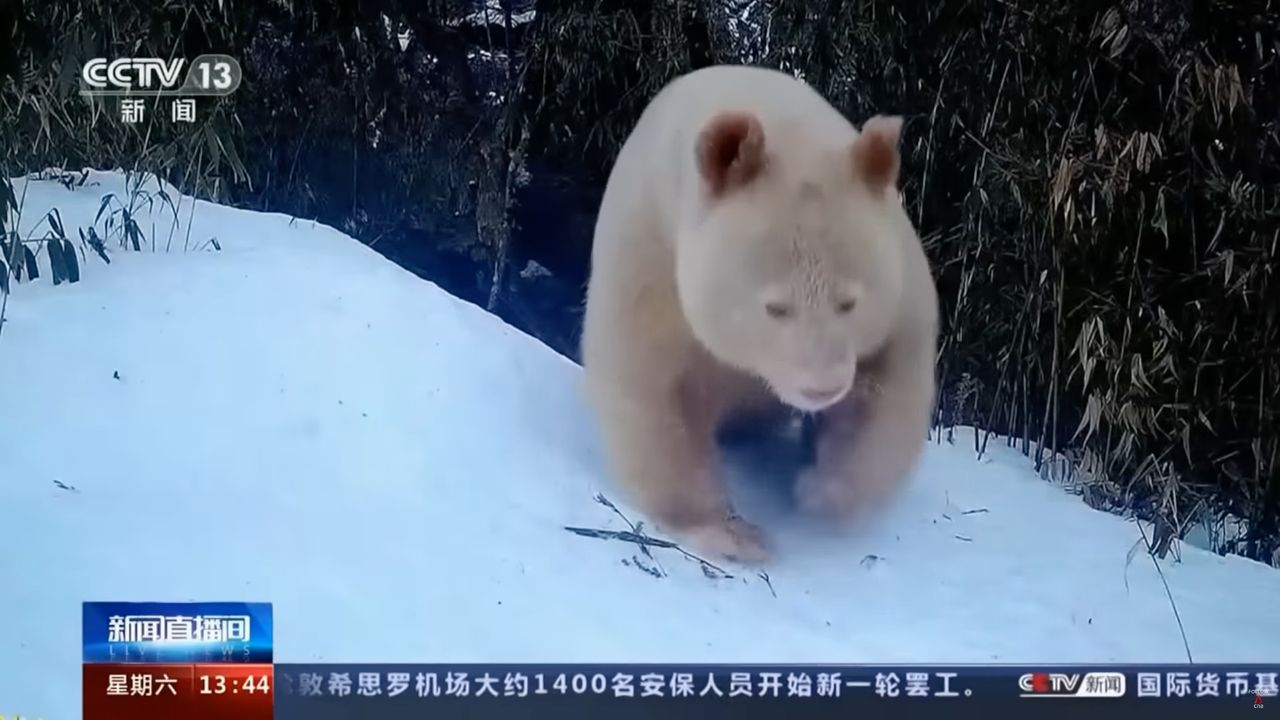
[33, 269]
[57, 266]
[71, 262]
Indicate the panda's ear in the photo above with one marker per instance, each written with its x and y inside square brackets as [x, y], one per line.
[876, 159]
[730, 152]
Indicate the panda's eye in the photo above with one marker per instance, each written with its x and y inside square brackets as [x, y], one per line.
[777, 310]
[845, 306]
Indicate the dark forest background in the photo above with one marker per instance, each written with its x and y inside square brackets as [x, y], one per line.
[1097, 181]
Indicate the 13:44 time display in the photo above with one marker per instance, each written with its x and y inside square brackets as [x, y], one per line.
[221, 685]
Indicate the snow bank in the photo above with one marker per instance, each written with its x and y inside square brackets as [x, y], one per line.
[293, 419]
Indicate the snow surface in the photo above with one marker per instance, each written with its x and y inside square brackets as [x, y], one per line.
[294, 419]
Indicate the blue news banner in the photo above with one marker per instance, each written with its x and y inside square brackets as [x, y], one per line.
[195, 661]
[216, 661]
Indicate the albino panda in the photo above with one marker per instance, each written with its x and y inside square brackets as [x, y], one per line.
[752, 253]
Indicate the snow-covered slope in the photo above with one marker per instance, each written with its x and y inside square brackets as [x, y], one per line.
[294, 419]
